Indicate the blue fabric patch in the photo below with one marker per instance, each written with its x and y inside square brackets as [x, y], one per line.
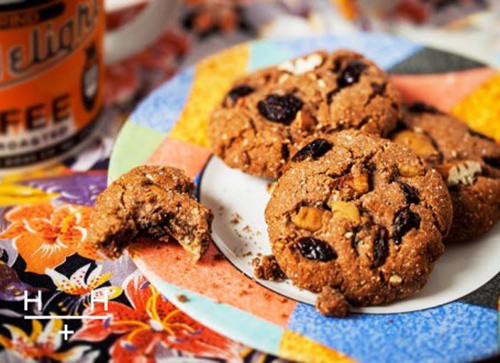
[454, 332]
[384, 50]
[161, 109]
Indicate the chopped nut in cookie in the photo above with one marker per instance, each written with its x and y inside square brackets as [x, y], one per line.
[421, 144]
[395, 280]
[310, 218]
[407, 170]
[463, 173]
[345, 210]
[302, 65]
[361, 183]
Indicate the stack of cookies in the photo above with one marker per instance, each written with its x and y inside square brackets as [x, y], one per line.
[368, 190]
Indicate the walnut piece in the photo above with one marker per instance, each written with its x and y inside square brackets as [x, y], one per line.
[345, 210]
[409, 171]
[361, 184]
[419, 143]
[304, 121]
[395, 280]
[302, 65]
[463, 173]
[310, 218]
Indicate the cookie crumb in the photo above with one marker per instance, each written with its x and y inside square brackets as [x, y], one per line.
[267, 268]
[182, 298]
[395, 280]
[219, 257]
[236, 219]
[331, 302]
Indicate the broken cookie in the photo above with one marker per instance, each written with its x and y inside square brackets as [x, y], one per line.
[150, 201]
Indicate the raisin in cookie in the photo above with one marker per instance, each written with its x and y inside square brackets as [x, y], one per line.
[266, 112]
[360, 216]
[468, 161]
[150, 201]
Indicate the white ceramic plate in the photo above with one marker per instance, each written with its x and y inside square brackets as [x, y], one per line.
[230, 193]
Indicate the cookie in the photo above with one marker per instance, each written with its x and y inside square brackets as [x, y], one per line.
[267, 112]
[362, 216]
[150, 201]
[468, 161]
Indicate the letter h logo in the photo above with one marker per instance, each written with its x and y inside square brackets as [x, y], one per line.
[94, 299]
[37, 300]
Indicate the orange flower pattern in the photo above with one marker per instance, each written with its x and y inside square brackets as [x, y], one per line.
[42, 344]
[44, 235]
[151, 322]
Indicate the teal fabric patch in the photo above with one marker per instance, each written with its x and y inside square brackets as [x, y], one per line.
[132, 148]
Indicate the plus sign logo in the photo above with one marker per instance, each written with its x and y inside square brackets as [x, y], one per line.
[66, 333]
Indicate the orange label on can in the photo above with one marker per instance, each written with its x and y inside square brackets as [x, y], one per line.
[51, 75]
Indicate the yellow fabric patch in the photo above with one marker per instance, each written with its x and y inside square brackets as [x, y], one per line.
[481, 109]
[212, 80]
[11, 194]
[295, 347]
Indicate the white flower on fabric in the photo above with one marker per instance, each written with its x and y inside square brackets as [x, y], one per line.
[78, 285]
